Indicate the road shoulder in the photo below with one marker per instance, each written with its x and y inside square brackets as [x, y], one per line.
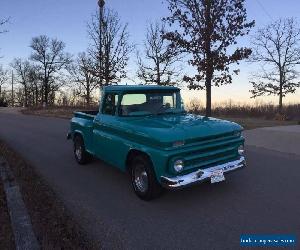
[6, 233]
[52, 223]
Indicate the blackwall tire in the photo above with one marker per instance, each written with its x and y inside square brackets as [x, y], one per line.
[143, 178]
[81, 156]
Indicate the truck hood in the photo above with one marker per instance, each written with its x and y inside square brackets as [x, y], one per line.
[184, 127]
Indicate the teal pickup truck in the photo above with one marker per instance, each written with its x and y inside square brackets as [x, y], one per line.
[145, 131]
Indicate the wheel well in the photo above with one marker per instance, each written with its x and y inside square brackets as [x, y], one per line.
[133, 153]
[78, 134]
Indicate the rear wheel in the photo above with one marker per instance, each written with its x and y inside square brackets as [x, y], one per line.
[81, 156]
[143, 178]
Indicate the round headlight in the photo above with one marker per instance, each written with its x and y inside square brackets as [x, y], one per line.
[241, 150]
[178, 166]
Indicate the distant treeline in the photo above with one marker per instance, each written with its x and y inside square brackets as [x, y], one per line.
[196, 45]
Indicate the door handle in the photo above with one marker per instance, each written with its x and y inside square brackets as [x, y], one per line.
[97, 122]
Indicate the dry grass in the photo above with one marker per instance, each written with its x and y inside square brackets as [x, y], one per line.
[248, 116]
[6, 234]
[252, 123]
[56, 111]
[52, 223]
[263, 111]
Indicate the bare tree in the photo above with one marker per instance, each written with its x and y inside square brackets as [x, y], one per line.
[22, 69]
[277, 48]
[207, 30]
[80, 72]
[3, 78]
[35, 77]
[157, 65]
[2, 23]
[113, 50]
[50, 56]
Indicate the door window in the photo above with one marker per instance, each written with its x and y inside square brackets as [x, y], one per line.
[110, 104]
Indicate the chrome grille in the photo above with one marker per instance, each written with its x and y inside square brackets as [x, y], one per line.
[211, 151]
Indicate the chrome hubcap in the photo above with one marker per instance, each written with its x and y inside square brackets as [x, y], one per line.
[141, 178]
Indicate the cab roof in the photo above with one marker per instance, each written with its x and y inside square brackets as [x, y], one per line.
[133, 88]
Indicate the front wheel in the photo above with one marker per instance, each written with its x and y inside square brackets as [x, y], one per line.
[143, 178]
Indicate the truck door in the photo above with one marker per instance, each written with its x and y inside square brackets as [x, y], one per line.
[103, 128]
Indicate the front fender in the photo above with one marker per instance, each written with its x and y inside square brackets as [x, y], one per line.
[159, 158]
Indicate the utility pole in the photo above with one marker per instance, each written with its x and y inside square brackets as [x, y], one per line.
[12, 89]
[101, 4]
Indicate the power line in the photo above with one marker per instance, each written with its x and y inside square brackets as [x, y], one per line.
[264, 9]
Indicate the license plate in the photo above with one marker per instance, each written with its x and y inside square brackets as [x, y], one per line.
[217, 176]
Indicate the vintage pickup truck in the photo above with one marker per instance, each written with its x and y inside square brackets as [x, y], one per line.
[146, 131]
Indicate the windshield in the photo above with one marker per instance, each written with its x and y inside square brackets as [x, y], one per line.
[157, 103]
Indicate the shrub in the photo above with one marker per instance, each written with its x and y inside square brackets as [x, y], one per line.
[3, 103]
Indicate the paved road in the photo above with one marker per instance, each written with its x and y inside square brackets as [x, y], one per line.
[264, 198]
[285, 139]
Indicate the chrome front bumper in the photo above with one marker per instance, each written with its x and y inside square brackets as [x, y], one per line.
[201, 175]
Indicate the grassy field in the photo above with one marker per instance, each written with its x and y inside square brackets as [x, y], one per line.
[252, 123]
[58, 112]
[252, 116]
[263, 111]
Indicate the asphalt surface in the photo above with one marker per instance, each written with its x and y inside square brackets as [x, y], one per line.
[264, 198]
[285, 139]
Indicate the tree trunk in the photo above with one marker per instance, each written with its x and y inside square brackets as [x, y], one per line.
[88, 94]
[107, 81]
[209, 57]
[208, 95]
[280, 90]
[26, 95]
[46, 93]
[88, 99]
[36, 95]
[280, 103]
[107, 68]
[158, 74]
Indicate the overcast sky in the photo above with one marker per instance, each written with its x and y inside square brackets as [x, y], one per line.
[67, 19]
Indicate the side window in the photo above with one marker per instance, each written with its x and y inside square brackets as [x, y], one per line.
[169, 101]
[110, 104]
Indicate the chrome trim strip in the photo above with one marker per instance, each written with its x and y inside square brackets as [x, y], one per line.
[201, 174]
